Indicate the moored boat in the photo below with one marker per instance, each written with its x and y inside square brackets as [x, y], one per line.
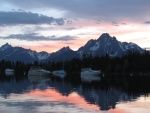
[59, 73]
[37, 71]
[9, 72]
[87, 74]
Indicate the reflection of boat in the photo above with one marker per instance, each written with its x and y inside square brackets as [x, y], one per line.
[59, 73]
[35, 71]
[9, 72]
[87, 74]
[37, 79]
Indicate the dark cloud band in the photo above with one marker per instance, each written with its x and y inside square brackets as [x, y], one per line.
[15, 18]
[147, 22]
[35, 37]
[106, 10]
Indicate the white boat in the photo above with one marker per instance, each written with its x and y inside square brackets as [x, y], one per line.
[59, 73]
[9, 72]
[89, 75]
[37, 71]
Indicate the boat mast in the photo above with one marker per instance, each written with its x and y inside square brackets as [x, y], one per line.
[63, 63]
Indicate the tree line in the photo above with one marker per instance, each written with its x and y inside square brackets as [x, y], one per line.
[133, 62]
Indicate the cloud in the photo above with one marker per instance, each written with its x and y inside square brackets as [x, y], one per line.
[64, 38]
[35, 37]
[115, 24]
[147, 22]
[22, 17]
[106, 10]
[71, 28]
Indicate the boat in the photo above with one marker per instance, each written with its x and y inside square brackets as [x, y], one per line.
[9, 72]
[38, 71]
[59, 73]
[89, 75]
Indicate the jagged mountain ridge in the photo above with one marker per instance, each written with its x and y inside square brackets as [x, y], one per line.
[105, 44]
[7, 52]
[63, 54]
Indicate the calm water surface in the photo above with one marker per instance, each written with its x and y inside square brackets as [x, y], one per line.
[58, 96]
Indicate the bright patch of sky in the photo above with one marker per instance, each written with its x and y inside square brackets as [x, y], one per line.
[51, 12]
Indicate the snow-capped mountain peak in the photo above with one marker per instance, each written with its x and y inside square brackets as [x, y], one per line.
[106, 44]
[64, 49]
[95, 47]
[43, 55]
[5, 46]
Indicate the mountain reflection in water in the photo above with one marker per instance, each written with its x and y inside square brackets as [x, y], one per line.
[49, 95]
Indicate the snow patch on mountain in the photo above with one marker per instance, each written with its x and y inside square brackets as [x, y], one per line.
[121, 46]
[31, 53]
[95, 47]
[12, 52]
[132, 45]
[5, 46]
[80, 53]
[126, 46]
[42, 57]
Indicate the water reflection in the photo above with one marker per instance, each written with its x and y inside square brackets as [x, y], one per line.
[13, 86]
[58, 95]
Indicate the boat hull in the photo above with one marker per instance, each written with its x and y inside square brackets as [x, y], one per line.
[91, 75]
[59, 73]
[9, 72]
[38, 71]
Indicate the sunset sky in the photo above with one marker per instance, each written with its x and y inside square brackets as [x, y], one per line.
[48, 25]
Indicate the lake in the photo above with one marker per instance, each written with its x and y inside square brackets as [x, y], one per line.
[54, 95]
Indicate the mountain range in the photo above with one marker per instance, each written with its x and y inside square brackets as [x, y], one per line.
[105, 44]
